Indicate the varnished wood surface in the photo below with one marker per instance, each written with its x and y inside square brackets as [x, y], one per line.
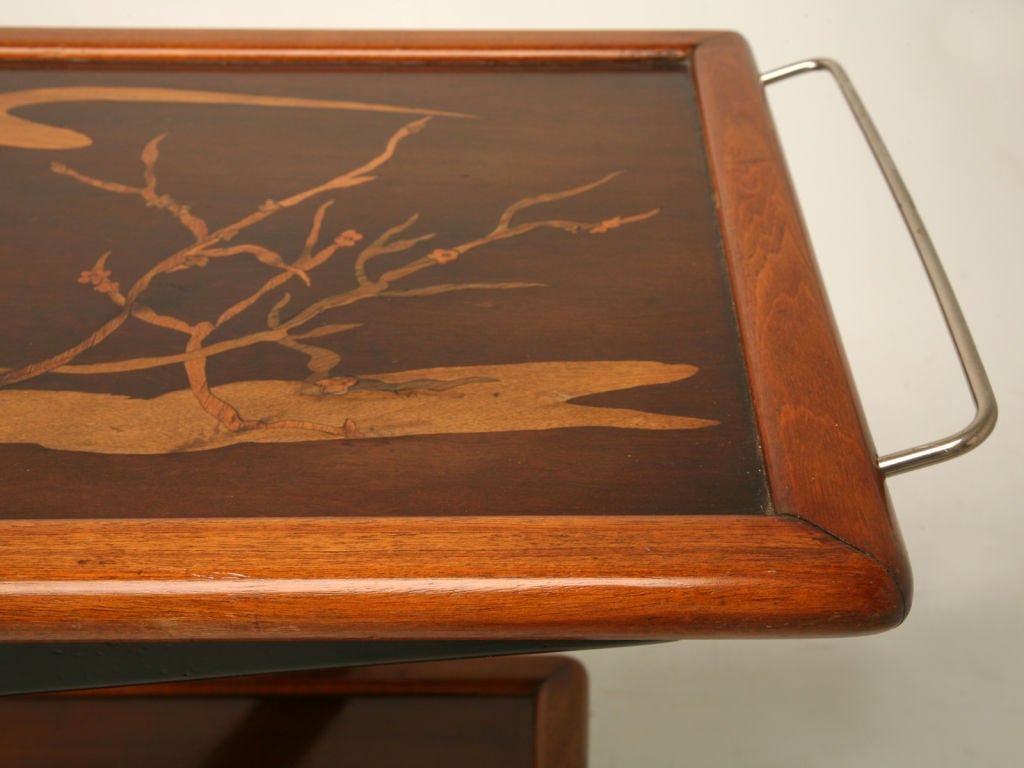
[500, 712]
[821, 461]
[303, 46]
[829, 561]
[531, 578]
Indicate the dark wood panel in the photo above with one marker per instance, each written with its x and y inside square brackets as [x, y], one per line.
[569, 332]
[528, 712]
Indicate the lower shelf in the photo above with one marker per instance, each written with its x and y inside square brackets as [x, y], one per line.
[518, 711]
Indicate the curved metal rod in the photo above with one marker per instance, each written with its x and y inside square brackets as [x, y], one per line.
[986, 411]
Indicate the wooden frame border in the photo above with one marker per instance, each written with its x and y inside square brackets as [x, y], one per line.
[829, 562]
[822, 465]
[273, 47]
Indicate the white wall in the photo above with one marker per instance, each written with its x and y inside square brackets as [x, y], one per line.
[945, 81]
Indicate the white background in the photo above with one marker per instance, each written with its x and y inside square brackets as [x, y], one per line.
[944, 81]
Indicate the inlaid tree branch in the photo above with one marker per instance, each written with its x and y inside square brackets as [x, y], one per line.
[294, 331]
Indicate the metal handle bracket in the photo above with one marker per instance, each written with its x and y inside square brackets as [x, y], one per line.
[984, 420]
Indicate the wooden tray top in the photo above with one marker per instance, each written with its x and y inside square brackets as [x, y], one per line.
[409, 336]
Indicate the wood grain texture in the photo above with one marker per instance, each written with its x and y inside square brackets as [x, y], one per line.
[314, 47]
[821, 461]
[410, 578]
[519, 711]
[828, 562]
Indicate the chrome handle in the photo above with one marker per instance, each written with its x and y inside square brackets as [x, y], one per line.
[977, 380]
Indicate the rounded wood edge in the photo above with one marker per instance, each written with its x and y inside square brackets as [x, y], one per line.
[561, 717]
[435, 578]
[308, 46]
[820, 459]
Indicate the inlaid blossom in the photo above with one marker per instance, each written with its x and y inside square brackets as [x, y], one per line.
[347, 238]
[443, 255]
[99, 277]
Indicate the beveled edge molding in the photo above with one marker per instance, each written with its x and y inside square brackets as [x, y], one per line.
[608, 578]
[83, 46]
[820, 458]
